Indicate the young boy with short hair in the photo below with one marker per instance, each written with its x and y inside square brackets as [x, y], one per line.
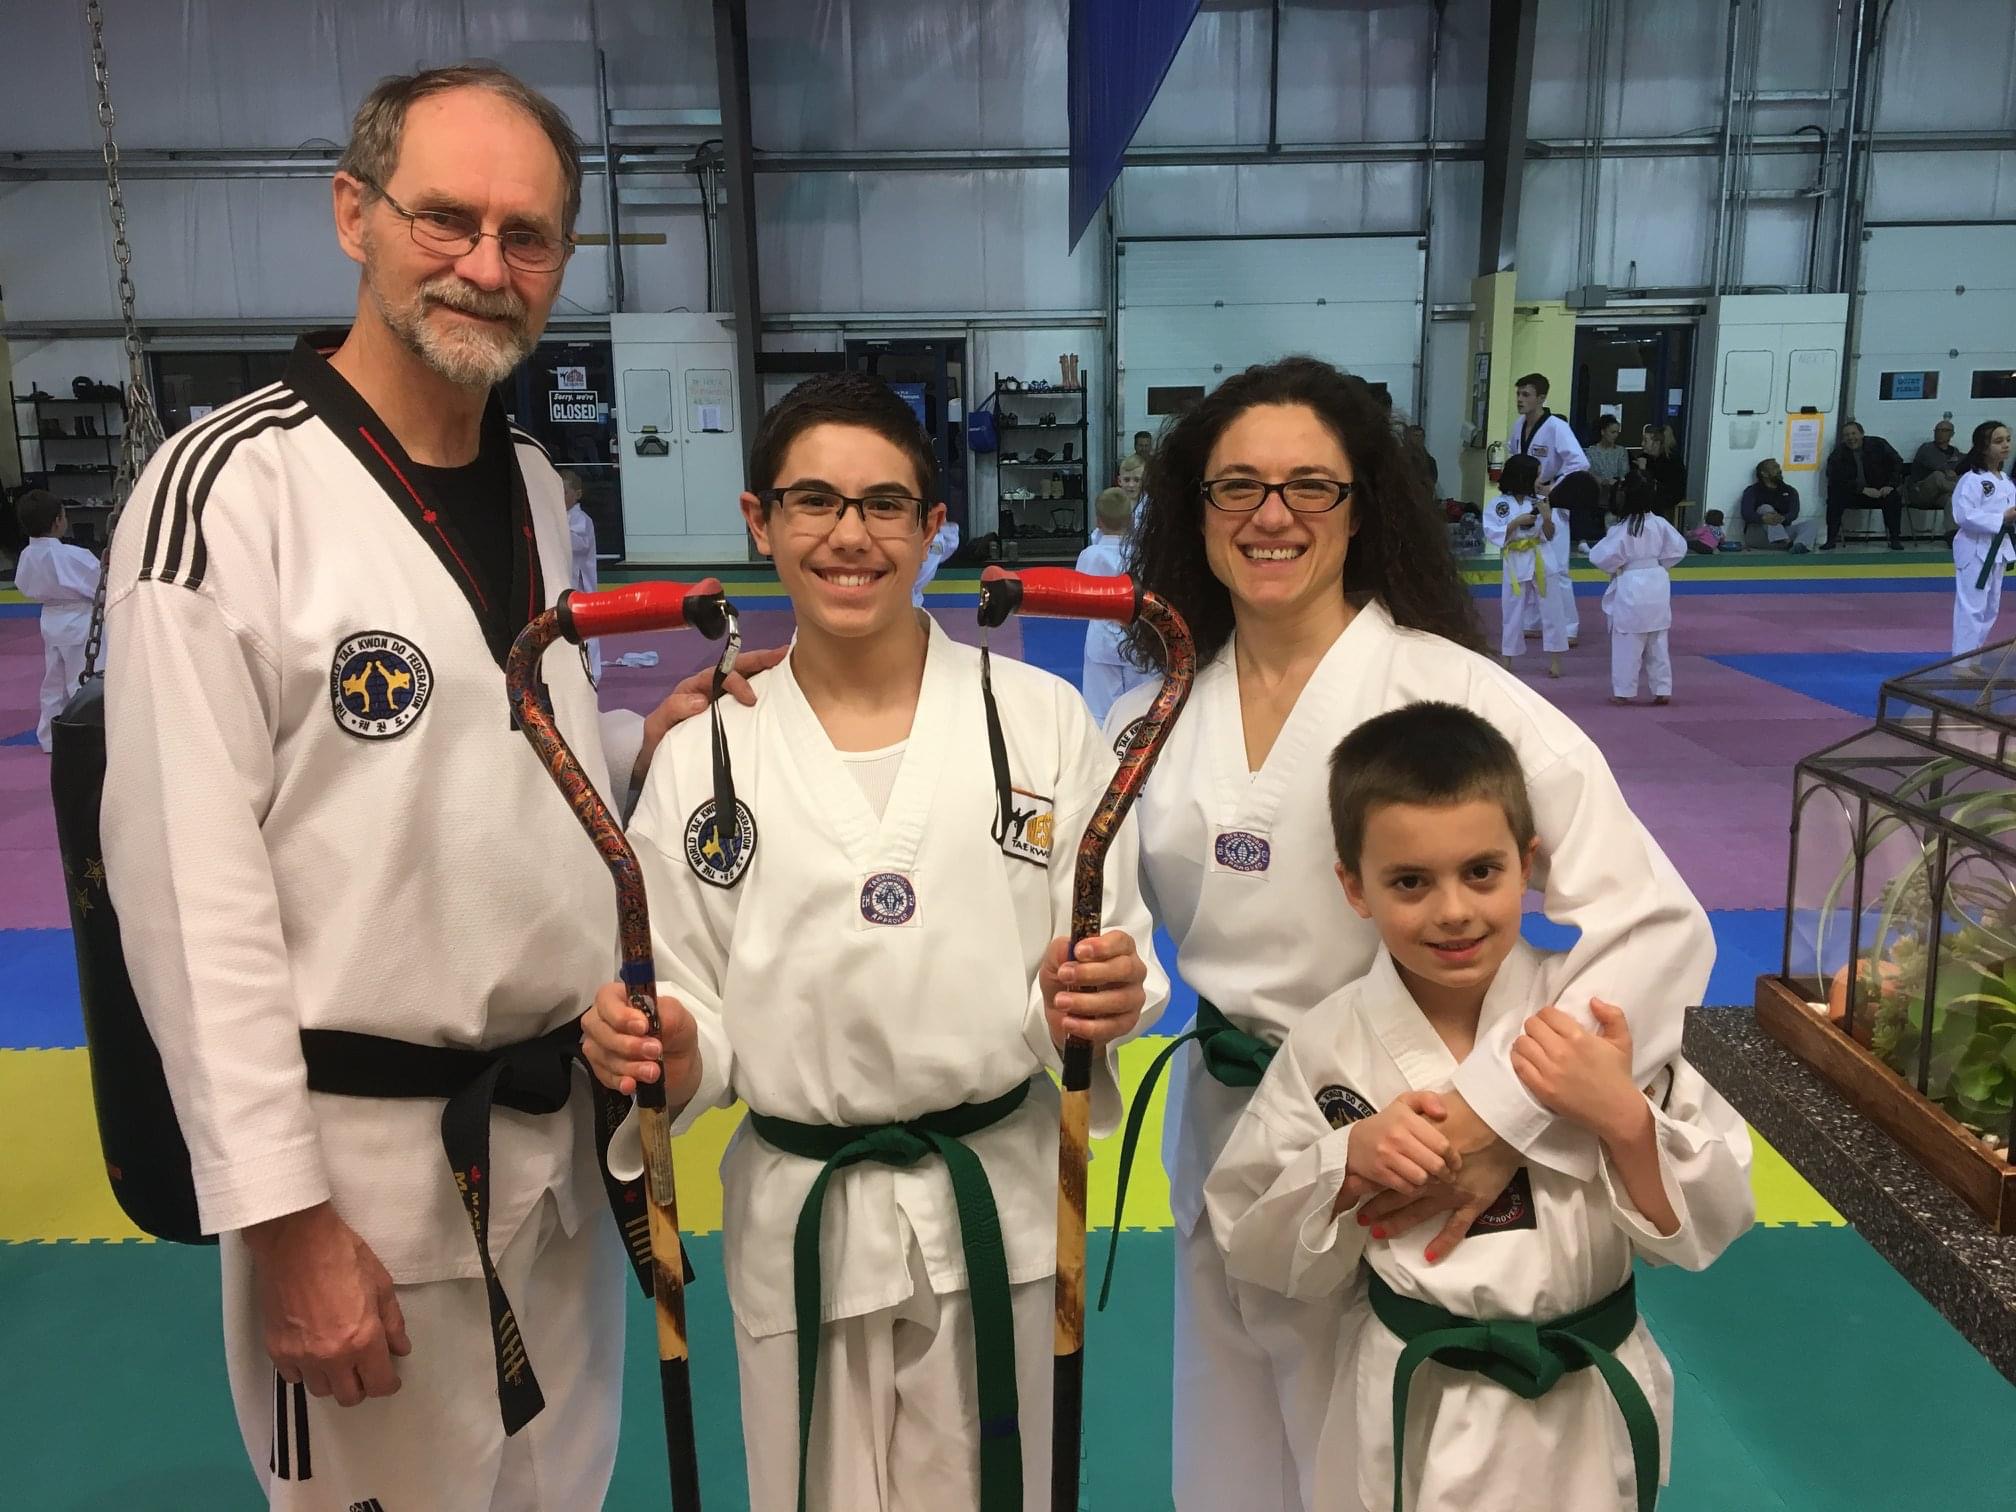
[63, 579]
[871, 954]
[1435, 843]
[1108, 673]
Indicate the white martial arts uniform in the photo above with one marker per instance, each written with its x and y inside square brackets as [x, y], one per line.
[857, 970]
[944, 541]
[1551, 442]
[1522, 553]
[584, 574]
[1108, 673]
[1237, 866]
[1980, 500]
[1552, 1245]
[1639, 601]
[63, 579]
[318, 816]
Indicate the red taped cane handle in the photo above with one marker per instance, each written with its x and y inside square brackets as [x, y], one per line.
[1056, 593]
[645, 606]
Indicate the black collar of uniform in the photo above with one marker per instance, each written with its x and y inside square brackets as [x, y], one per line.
[371, 442]
[1531, 428]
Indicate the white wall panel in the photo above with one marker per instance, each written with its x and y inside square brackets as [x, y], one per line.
[1937, 298]
[1354, 73]
[1949, 65]
[1216, 89]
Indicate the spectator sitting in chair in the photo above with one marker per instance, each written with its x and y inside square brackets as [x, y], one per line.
[1773, 503]
[1609, 461]
[1865, 472]
[1934, 471]
[1659, 459]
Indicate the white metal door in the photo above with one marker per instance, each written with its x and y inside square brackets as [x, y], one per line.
[1193, 311]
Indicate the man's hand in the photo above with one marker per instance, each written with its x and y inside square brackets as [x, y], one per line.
[1487, 1164]
[690, 697]
[1582, 1077]
[1399, 1148]
[1099, 995]
[614, 1043]
[326, 1306]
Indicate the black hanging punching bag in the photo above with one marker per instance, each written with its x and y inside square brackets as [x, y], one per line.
[146, 1159]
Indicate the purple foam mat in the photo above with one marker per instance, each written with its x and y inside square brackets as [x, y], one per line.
[1709, 775]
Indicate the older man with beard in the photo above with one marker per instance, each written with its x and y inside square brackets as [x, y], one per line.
[359, 919]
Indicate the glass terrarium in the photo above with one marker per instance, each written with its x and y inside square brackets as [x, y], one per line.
[1900, 923]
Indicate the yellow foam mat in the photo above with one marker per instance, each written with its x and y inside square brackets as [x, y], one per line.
[53, 1187]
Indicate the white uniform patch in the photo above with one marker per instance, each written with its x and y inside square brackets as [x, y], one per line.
[378, 684]
[713, 859]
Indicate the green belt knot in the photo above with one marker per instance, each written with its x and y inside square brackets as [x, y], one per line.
[903, 1145]
[1529, 1367]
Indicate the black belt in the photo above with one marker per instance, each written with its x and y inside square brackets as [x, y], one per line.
[533, 1077]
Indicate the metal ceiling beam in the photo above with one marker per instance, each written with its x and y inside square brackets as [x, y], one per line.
[315, 162]
[738, 212]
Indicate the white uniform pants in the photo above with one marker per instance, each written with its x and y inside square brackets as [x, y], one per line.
[1974, 609]
[896, 1414]
[1528, 602]
[439, 1443]
[1105, 681]
[1631, 649]
[1804, 530]
[1560, 596]
[1252, 1384]
[62, 667]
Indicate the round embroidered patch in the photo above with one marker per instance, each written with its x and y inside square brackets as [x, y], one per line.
[1339, 1106]
[888, 898]
[1504, 508]
[1126, 737]
[1238, 851]
[715, 859]
[378, 684]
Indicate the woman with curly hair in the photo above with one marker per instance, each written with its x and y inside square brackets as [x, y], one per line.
[1287, 526]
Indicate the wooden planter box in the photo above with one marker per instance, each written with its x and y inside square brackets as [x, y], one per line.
[1979, 1176]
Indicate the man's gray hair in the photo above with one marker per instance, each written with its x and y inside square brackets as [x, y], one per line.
[373, 153]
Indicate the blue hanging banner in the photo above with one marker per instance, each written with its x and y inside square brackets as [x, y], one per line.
[1120, 53]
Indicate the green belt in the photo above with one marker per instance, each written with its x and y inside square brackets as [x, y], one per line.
[904, 1144]
[1994, 549]
[1234, 1057]
[1528, 1358]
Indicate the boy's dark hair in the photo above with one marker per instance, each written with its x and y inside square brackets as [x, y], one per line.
[1714, 517]
[855, 399]
[37, 510]
[1433, 754]
[1520, 476]
[1535, 381]
[1140, 435]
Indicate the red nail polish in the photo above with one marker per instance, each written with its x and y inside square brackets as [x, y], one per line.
[1378, 1233]
[1429, 1256]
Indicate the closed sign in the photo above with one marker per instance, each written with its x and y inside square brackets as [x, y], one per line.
[574, 407]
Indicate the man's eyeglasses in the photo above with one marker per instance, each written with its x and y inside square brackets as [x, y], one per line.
[1303, 495]
[450, 233]
[882, 514]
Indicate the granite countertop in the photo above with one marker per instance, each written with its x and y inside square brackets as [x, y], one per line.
[1936, 1242]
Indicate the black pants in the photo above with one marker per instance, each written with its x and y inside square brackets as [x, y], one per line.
[1892, 505]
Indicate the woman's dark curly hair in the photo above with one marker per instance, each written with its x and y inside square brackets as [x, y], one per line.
[1400, 554]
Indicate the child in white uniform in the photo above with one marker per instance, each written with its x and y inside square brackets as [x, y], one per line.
[63, 579]
[1520, 523]
[1984, 514]
[1436, 841]
[1639, 601]
[1108, 673]
[583, 571]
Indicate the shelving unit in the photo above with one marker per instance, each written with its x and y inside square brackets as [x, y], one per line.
[1044, 526]
[78, 468]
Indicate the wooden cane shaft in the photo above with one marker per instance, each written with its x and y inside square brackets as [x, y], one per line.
[1074, 1132]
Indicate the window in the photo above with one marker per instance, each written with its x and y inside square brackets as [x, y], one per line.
[1919, 385]
[1994, 383]
[1174, 400]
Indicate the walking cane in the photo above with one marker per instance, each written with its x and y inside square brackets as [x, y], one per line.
[578, 617]
[1059, 593]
